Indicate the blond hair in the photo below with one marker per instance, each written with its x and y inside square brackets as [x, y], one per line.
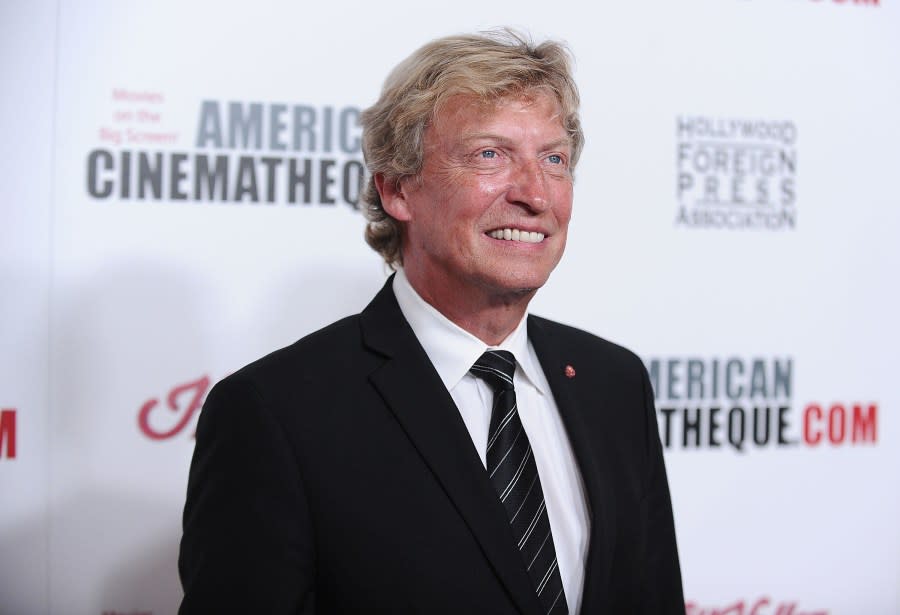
[487, 67]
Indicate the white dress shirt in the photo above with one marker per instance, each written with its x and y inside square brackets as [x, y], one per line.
[453, 351]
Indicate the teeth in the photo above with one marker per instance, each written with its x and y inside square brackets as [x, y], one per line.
[510, 234]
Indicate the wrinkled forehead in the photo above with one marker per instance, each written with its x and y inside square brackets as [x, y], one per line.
[452, 110]
[452, 106]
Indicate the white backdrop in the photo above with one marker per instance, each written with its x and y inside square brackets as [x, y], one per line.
[736, 219]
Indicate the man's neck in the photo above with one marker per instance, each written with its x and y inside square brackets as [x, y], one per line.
[490, 317]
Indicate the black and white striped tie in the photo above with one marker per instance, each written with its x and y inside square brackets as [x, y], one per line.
[513, 473]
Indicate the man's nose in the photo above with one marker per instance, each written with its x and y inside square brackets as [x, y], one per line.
[528, 186]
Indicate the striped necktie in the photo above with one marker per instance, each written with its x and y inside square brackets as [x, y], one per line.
[510, 464]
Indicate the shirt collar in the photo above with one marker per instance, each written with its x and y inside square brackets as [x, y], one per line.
[453, 350]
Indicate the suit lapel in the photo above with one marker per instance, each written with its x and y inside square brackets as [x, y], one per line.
[588, 451]
[412, 389]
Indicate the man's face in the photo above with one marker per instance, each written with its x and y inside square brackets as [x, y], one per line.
[489, 214]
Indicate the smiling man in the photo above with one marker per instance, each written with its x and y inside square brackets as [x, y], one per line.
[485, 220]
[443, 451]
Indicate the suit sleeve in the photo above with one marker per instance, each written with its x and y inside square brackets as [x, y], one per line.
[247, 545]
[663, 593]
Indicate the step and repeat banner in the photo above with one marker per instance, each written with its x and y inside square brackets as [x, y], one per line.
[180, 187]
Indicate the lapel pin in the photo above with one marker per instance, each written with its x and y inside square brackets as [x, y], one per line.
[570, 371]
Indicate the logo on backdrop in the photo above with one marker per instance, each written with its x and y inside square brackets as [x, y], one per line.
[8, 433]
[239, 152]
[747, 403]
[760, 606]
[736, 173]
[162, 421]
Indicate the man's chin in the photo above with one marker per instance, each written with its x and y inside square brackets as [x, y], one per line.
[516, 289]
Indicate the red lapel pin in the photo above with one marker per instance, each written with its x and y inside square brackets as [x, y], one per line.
[570, 371]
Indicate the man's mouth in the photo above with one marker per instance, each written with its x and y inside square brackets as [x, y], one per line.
[514, 234]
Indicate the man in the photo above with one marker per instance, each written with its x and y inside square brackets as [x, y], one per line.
[441, 452]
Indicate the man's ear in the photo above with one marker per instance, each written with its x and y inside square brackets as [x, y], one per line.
[393, 198]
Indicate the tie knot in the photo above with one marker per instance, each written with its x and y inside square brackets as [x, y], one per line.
[496, 367]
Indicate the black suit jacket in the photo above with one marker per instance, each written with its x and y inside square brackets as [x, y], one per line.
[337, 476]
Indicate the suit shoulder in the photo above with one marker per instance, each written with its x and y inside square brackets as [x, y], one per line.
[585, 343]
[333, 347]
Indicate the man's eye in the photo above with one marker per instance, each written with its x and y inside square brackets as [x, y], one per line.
[488, 153]
[555, 159]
